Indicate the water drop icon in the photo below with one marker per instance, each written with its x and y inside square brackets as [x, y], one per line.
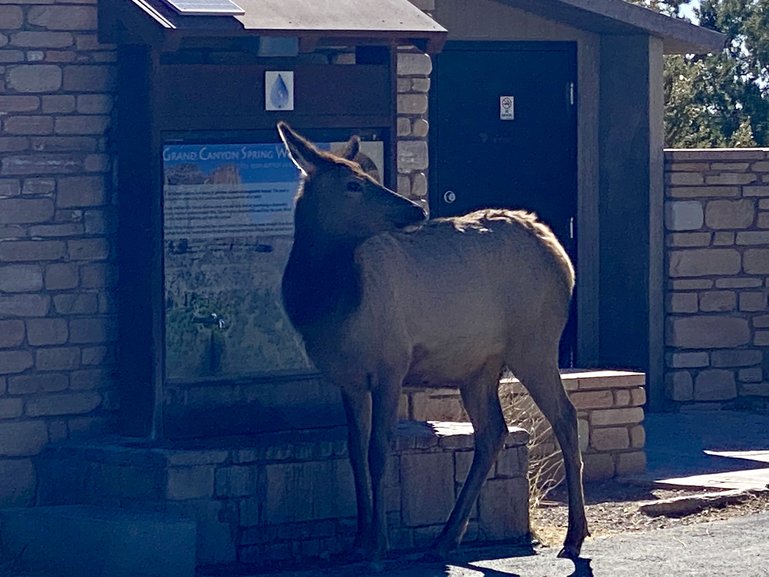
[279, 93]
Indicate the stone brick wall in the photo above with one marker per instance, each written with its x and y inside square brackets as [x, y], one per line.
[609, 408]
[413, 85]
[56, 223]
[290, 497]
[413, 68]
[717, 300]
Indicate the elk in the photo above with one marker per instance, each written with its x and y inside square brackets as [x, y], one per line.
[385, 299]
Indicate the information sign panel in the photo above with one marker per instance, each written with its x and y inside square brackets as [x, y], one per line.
[228, 231]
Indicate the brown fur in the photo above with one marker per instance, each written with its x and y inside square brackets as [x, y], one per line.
[384, 300]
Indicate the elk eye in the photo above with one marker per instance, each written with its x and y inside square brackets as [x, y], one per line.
[354, 186]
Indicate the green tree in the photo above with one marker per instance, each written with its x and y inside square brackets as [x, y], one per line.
[719, 99]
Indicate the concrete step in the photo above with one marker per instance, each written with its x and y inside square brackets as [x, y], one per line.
[90, 541]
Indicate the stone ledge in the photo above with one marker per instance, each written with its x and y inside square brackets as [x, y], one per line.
[288, 497]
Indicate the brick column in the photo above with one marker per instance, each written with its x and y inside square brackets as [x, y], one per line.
[413, 84]
[56, 223]
[414, 68]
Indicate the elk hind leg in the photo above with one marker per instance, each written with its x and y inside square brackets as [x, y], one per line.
[543, 381]
[481, 401]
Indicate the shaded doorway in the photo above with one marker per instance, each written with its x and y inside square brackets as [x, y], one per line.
[503, 126]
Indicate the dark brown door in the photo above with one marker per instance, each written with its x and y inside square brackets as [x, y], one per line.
[503, 131]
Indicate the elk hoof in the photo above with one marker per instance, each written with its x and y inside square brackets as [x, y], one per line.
[438, 553]
[569, 552]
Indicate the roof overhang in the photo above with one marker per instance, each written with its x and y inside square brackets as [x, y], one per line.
[314, 22]
[621, 18]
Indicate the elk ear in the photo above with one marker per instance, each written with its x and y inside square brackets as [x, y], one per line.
[351, 149]
[368, 166]
[303, 153]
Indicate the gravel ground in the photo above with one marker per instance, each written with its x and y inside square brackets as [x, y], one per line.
[612, 508]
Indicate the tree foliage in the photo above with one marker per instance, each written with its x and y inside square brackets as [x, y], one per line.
[719, 99]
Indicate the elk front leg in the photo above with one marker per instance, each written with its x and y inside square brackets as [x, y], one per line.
[481, 401]
[357, 407]
[385, 399]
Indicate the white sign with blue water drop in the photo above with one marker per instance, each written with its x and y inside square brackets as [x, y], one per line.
[279, 90]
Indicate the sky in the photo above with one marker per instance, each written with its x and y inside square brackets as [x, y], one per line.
[688, 10]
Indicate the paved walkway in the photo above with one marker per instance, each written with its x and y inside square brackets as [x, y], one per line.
[718, 449]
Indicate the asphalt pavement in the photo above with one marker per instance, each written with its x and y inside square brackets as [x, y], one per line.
[733, 547]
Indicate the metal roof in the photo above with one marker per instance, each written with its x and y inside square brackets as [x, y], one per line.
[382, 21]
[313, 21]
[612, 17]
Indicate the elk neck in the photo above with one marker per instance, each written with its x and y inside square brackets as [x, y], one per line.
[321, 281]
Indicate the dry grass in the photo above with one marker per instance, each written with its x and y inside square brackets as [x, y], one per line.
[545, 470]
[614, 508]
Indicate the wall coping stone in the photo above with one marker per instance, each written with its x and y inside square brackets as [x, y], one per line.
[298, 445]
[715, 153]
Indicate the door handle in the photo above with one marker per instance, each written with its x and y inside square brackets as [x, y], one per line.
[449, 196]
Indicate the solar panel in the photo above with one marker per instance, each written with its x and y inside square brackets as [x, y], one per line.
[206, 7]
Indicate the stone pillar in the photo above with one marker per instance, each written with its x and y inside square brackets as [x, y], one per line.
[413, 84]
[413, 68]
[630, 207]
